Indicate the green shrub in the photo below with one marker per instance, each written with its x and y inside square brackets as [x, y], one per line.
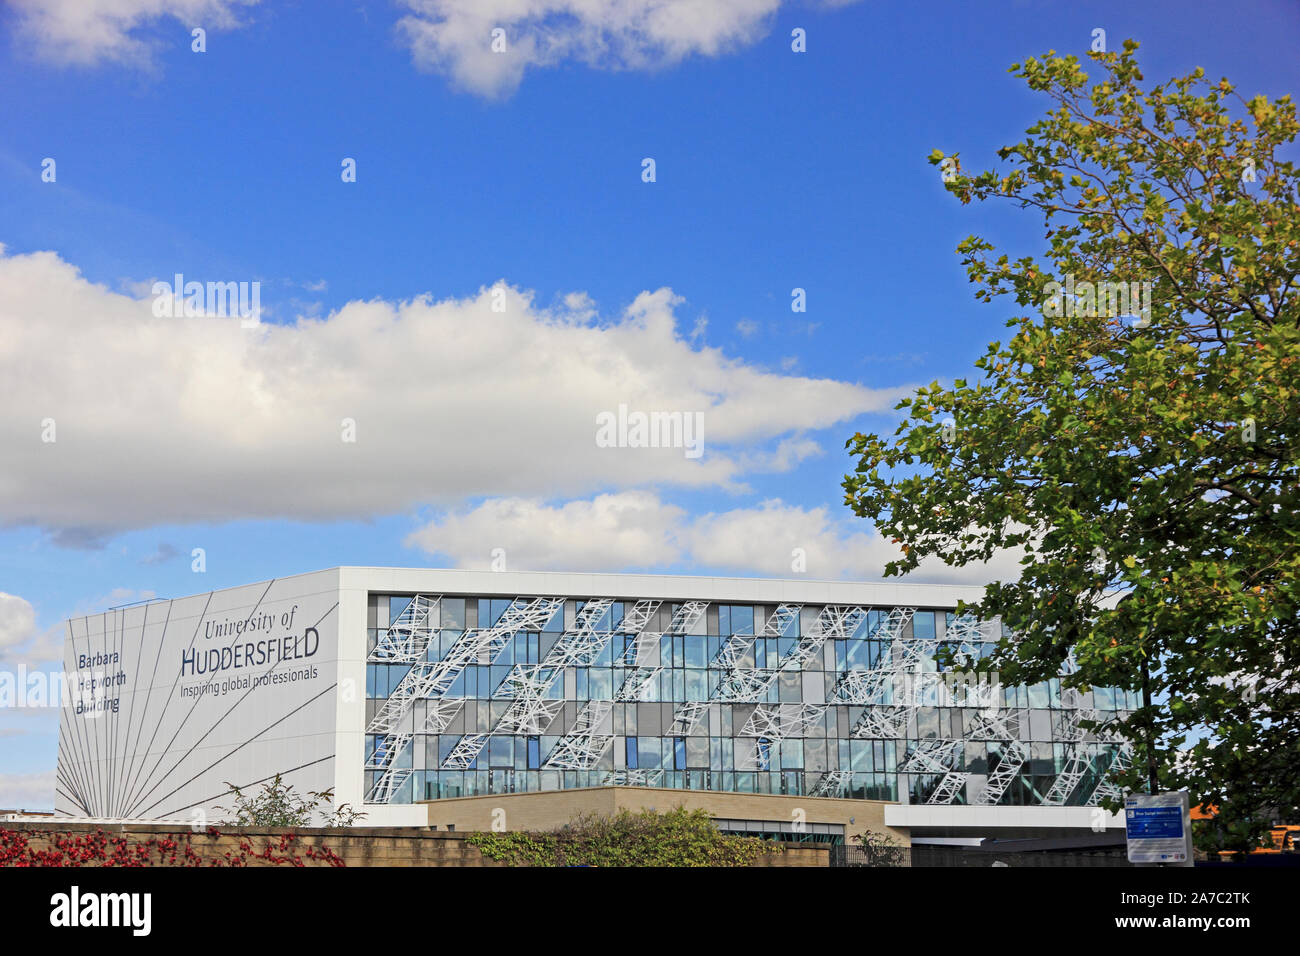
[881, 849]
[277, 804]
[677, 837]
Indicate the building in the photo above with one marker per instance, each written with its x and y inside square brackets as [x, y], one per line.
[401, 688]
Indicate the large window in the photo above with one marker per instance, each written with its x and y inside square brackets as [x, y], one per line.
[837, 702]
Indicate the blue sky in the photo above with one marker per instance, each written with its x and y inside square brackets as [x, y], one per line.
[775, 170]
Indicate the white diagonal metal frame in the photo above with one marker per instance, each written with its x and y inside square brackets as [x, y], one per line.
[633, 778]
[832, 783]
[638, 649]
[636, 620]
[638, 684]
[428, 679]
[932, 755]
[1080, 752]
[1077, 762]
[733, 650]
[441, 711]
[686, 617]
[752, 753]
[779, 621]
[779, 721]
[387, 750]
[835, 621]
[466, 751]
[1011, 759]
[387, 785]
[390, 779]
[581, 646]
[741, 684]
[1105, 788]
[530, 711]
[407, 639]
[583, 746]
[744, 685]
[686, 717]
[949, 789]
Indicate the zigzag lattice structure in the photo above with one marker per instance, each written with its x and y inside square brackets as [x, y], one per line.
[835, 621]
[932, 755]
[388, 786]
[583, 746]
[749, 684]
[638, 684]
[387, 750]
[441, 712]
[390, 779]
[1105, 789]
[581, 646]
[745, 684]
[633, 778]
[465, 752]
[899, 677]
[686, 717]
[687, 616]
[832, 783]
[949, 789]
[993, 725]
[530, 710]
[1079, 755]
[890, 693]
[407, 639]
[779, 721]
[635, 620]
[868, 687]
[432, 679]
[1008, 768]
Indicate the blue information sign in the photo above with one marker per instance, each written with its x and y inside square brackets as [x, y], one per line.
[1155, 823]
[1156, 826]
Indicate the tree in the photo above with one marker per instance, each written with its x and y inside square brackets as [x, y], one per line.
[279, 805]
[881, 849]
[1142, 446]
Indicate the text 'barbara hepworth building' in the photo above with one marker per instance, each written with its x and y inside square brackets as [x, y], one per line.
[398, 686]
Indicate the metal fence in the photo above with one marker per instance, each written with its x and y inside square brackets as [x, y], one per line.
[869, 856]
[932, 855]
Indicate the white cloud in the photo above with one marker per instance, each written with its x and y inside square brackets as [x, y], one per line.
[455, 36]
[631, 528]
[171, 420]
[20, 640]
[639, 531]
[86, 32]
[27, 791]
[17, 621]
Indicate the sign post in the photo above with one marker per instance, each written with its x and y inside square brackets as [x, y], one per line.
[1159, 829]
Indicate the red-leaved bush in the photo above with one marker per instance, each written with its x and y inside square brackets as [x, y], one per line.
[172, 849]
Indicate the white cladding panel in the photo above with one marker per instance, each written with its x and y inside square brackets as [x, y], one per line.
[172, 701]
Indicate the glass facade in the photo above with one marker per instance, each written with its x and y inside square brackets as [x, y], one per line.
[474, 695]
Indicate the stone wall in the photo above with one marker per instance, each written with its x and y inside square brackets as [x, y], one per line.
[168, 845]
[549, 809]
